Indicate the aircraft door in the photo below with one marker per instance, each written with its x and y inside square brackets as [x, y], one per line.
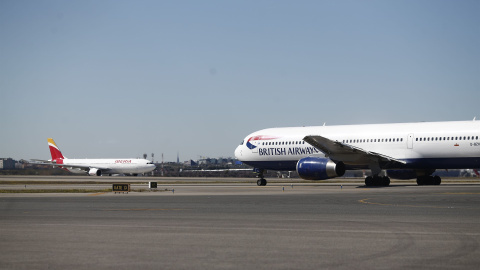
[410, 141]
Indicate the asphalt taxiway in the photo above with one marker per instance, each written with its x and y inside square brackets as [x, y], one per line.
[242, 226]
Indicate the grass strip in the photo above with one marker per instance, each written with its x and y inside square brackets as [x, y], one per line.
[55, 190]
[75, 190]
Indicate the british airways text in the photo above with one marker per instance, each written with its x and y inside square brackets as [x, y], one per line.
[287, 151]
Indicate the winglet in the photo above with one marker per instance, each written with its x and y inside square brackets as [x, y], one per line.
[54, 151]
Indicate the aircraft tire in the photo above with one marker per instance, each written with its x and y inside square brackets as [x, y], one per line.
[261, 182]
[437, 180]
[386, 181]
[369, 181]
[421, 181]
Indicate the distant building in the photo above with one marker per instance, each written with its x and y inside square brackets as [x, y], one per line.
[217, 161]
[190, 163]
[7, 164]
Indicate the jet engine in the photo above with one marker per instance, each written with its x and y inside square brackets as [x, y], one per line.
[94, 171]
[315, 168]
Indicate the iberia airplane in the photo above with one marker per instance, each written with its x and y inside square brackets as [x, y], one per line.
[98, 166]
[406, 151]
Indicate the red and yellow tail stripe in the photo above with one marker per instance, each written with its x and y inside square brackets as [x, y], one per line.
[54, 151]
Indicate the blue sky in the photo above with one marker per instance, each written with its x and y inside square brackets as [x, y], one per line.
[123, 78]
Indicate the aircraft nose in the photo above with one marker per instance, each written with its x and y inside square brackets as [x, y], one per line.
[238, 152]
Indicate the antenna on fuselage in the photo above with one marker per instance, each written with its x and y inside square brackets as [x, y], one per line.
[324, 123]
[474, 118]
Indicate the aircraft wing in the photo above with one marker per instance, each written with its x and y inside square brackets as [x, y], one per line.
[344, 152]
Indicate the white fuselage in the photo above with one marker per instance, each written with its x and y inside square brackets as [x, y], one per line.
[111, 166]
[424, 145]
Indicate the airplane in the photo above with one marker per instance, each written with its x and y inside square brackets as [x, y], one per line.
[97, 167]
[404, 150]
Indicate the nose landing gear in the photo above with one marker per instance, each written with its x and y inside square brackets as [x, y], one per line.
[261, 181]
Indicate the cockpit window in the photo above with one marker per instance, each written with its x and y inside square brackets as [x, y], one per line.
[241, 143]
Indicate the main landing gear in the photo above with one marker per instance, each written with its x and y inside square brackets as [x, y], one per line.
[429, 180]
[377, 181]
[261, 181]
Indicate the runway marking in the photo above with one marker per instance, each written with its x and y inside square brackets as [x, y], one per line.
[188, 228]
[146, 209]
[365, 201]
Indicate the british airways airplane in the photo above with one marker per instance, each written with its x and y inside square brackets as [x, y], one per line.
[406, 151]
[97, 167]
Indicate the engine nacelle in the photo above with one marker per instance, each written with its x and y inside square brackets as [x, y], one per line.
[315, 168]
[94, 171]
